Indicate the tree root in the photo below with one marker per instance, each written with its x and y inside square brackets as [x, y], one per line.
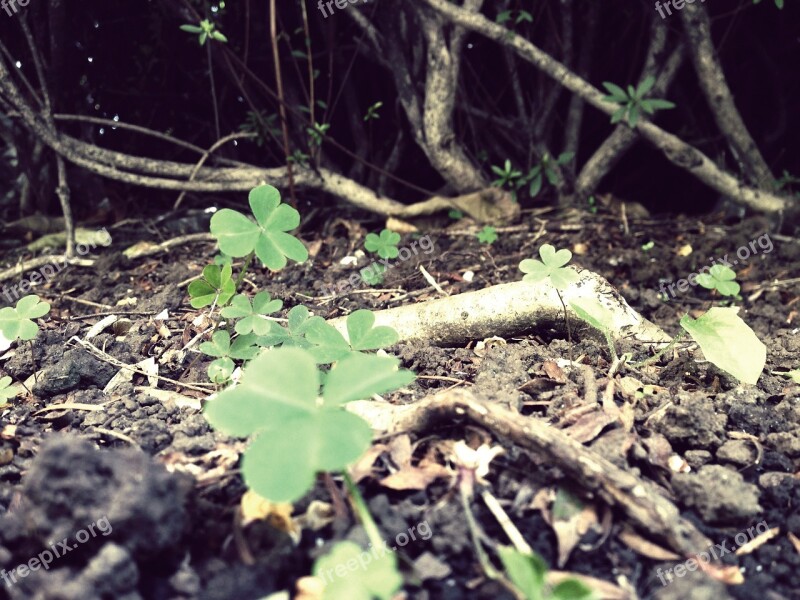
[641, 501]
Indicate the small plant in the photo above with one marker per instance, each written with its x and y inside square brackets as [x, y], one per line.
[317, 133]
[592, 204]
[266, 237]
[220, 347]
[527, 572]
[372, 112]
[552, 265]
[487, 235]
[296, 430]
[633, 102]
[18, 323]
[456, 214]
[384, 245]
[508, 177]
[373, 275]
[507, 15]
[251, 316]
[720, 278]
[216, 287]
[377, 579]
[646, 247]
[545, 169]
[205, 30]
[262, 124]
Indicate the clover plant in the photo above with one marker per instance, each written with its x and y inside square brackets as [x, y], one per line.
[373, 275]
[633, 102]
[552, 265]
[295, 429]
[216, 287]
[527, 572]
[251, 315]
[265, 237]
[205, 30]
[384, 245]
[720, 278]
[487, 235]
[18, 323]
[242, 348]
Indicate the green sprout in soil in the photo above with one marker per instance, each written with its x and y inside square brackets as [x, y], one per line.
[7, 391]
[384, 245]
[720, 278]
[296, 430]
[216, 288]
[18, 323]
[487, 235]
[251, 315]
[528, 571]
[633, 102]
[373, 275]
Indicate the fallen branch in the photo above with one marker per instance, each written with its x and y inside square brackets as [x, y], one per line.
[640, 500]
[511, 309]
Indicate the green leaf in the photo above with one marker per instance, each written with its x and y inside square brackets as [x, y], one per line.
[728, 342]
[220, 370]
[487, 235]
[219, 36]
[659, 104]
[327, 344]
[525, 571]
[18, 323]
[384, 245]
[238, 235]
[363, 334]
[645, 86]
[7, 391]
[219, 346]
[252, 316]
[565, 157]
[594, 313]
[617, 94]
[720, 278]
[216, 285]
[572, 589]
[633, 115]
[373, 275]
[503, 16]
[618, 115]
[536, 185]
[359, 376]
[551, 175]
[551, 265]
[375, 574]
[191, 28]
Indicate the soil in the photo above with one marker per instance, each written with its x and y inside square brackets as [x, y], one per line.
[168, 487]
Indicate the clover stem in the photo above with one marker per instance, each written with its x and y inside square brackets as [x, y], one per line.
[370, 528]
[248, 259]
[566, 321]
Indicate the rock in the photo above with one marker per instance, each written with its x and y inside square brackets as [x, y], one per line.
[738, 452]
[719, 494]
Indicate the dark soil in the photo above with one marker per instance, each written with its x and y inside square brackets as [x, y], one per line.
[169, 488]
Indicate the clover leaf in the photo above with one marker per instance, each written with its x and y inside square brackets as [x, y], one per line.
[373, 275]
[384, 245]
[216, 285]
[294, 432]
[378, 578]
[487, 235]
[239, 235]
[17, 323]
[527, 572]
[251, 316]
[220, 346]
[720, 278]
[7, 391]
[364, 335]
[221, 370]
[551, 265]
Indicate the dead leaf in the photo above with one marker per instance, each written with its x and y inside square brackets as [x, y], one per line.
[554, 372]
[727, 574]
[757, 541]
[363, 466]
[645, 547]
[589, 426]
[279, 515]
[794, 540]
[571, 519]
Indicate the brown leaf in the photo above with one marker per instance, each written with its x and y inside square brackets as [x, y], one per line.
[645, 547]
[727, 574]
[554, 372]
[757, 541]
[794, 540]
[589, 426]
[415, 478]
[363, 466]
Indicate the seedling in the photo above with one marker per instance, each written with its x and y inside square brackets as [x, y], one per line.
[205, 30]
[648, 246]
[376, 578]
[216, 288]
[720, 278]
[545, 169]
[266, 237]
[595, 314]
[487, 235]
[527, 572]
[225, 351]
[384, 245]
[295, 432]
[507, 176]
[507, 15]
[456, 214]
[372, 112]
[373, 275]
[633, 102]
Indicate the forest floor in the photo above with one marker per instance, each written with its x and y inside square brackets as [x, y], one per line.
[168, 486]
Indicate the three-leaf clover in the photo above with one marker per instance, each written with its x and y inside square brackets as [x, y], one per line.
[385, 244]
[379, 578]
[251, 316]
[238, 235]
[373, 275]
[217, 285]
[295, 431]
[225, 351]
[364, 335]
[206, 30]
[487, 235]
[633, 101]
[17, 323]
[720, 278]
[552, 265]
[527, 572]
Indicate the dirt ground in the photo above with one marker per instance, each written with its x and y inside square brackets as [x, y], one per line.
[727, 456]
